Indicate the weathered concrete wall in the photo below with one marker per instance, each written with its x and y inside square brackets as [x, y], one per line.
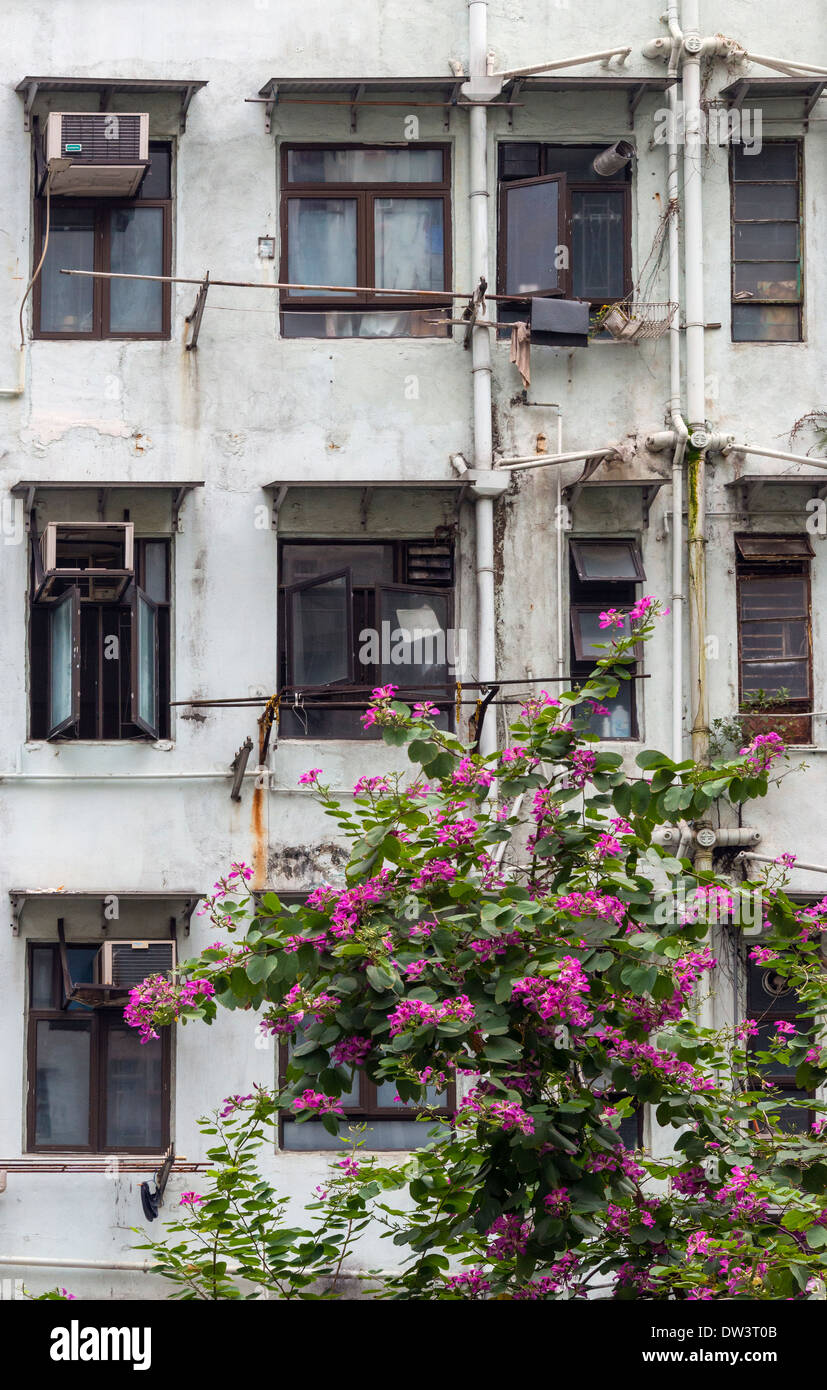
[249, 408]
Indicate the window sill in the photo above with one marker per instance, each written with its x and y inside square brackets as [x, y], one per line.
[95, 1163]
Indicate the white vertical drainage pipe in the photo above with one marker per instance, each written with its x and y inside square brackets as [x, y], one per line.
[481, 366]
[678, 425]
[695, 398]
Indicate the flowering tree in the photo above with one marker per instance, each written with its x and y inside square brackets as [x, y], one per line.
[558, 992]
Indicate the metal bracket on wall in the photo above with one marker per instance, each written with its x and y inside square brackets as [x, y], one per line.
[238, 767]
[198, 312]
[356, 97]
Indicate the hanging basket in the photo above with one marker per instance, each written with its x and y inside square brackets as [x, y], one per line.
[633, 320]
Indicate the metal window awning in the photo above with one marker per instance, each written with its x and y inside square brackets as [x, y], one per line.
[749, 90]
[647, 487]
[28, 488]
[179, 902]
[750, 485]
[443, 92]
[107, 87]
[487, 483]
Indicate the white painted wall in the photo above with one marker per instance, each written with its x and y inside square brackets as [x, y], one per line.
[249, 408]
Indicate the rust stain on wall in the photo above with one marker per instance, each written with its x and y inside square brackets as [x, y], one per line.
[259, 838]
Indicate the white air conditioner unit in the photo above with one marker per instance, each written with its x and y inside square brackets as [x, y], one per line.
[125, 964]
[109, 151]
[98, 556]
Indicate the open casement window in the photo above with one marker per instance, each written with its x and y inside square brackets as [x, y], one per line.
[357, 614]
[775, 633]
[367, 217]
[64, 663]
[144, 661]
[533, 230]
[767, 289]
[554, 210]
[93, 1087]
[99, 663]
[320, 632]
[604, 574]
[417, 628]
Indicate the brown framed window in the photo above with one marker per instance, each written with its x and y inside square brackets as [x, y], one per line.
[92, 1086]
[357, 614]
[365, 216]
[563, 229]
[99, 634]
[767, 216]
[770, 1001]
[107, 234]
[775, 633]
[604, 574]
[389, 1124]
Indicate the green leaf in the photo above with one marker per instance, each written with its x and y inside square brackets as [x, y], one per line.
[259, 967]
[622, 798]
[639, 978]
[380, 979]
[502, 1050]
[640, 797]
[817, 1237]
[650, 757]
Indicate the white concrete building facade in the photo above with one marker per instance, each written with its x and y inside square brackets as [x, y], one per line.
[215, 450]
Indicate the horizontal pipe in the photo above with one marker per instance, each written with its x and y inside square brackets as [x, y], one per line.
[818, 70]
[564, 63]
[799, 863]
[270, 285]
[120, 776]
[50, 1262]
[775, 454]
[543, 460]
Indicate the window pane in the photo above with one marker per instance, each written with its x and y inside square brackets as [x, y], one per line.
[766, 241]
[386, 1095]
[416, 638]
[408, 243]
[532, 232]
[760, 641]
[367, 563]
[409, 165]
[777, 596]
[377, 1134]
[134, 1091]
[597, 244]
[321, 242]
[42, 978]
[768, 279]
[775, 160]
[62, 1082]
[792, 676]
[519, 160]
[756, 323]
[137, 248]
[759, 200]
[147, 647]
[158, 178]
[60, 682]
[320, 633]
[618, 722]
[155, 570]
[602, 561]
[66, 300]
[576, 161]
[342, 323]
[591, 633]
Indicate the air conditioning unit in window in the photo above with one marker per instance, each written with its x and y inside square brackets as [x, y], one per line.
[125, 964]
[97, 556]
[109, 151]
